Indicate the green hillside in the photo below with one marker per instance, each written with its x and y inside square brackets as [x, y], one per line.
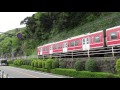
[47, 27]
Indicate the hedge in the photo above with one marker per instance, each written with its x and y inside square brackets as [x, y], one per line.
[83, 74]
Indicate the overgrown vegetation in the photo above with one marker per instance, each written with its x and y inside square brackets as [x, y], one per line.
[90, 65]
[46, 27]
[55, 64]
[117, 66]
[79, 66]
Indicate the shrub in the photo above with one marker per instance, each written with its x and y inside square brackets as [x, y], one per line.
[35, 63]
[117, 66]
[55, 64]
[48, 64]
[62, 64]
[82, 74]
[43, 64]
[90, 65]
[26, 62]
[79, 65]
[10, 62]
[39, 64]
[32, 63]
[17, 62]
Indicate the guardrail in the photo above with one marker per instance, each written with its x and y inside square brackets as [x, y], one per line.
[2, 75]
[111, 50]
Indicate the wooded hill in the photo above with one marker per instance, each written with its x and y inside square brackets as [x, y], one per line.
[46, 27]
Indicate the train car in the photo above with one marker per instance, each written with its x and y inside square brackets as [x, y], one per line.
[47, 49]
[113, 36]
[76, 43]
[58, 47]
[96, 39]
[102, 38]
[39, 50]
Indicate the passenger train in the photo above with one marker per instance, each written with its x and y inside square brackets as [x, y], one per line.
[102, 38]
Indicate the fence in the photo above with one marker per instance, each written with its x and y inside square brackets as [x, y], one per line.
[112, 51]
[95, 52]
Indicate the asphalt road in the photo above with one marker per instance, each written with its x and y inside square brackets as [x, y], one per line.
[14, 72]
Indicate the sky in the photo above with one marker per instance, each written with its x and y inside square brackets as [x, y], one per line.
[11, 20]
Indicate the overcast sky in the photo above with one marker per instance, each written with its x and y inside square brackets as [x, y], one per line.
[11, 20]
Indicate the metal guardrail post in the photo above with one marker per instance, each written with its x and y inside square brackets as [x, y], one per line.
[2, 74]
[88, 53]
[6, 75]
[113, 52]
[72, 55]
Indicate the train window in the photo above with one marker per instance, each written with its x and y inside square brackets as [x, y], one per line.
[72, 43]
[65, 45]
[51, 47]
[76, 42]
[57, 46]
[40, 49]
[83, 41]
[113, 35]
[97, 39]
[44, 49]
[87, 41]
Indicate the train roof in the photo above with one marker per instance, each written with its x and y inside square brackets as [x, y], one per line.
[113, 27]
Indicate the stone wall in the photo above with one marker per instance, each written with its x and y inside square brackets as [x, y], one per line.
[104, 64]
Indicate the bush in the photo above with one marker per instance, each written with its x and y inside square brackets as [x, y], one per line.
[82, 74]
[117, 66]
[79, 65]
[62, 64]
[43, 64]
[10, 62]
[48, 64]
[55, 64]
[32, 63]
[90, 65]
[35, 63]
[17, 62]
[26, 62]
[39, 64]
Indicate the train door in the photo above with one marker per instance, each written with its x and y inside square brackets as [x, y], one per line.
[40, 51]
[65, 47]
[51, 49]
[85, 43]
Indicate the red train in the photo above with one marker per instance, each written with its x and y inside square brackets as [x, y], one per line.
[103, 38]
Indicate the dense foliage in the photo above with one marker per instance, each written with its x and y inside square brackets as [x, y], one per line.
[46, 27]
[55, 64]
[117, 66]
[79, 65]
[90, 65]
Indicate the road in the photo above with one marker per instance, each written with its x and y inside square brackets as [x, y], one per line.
[14, 72]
